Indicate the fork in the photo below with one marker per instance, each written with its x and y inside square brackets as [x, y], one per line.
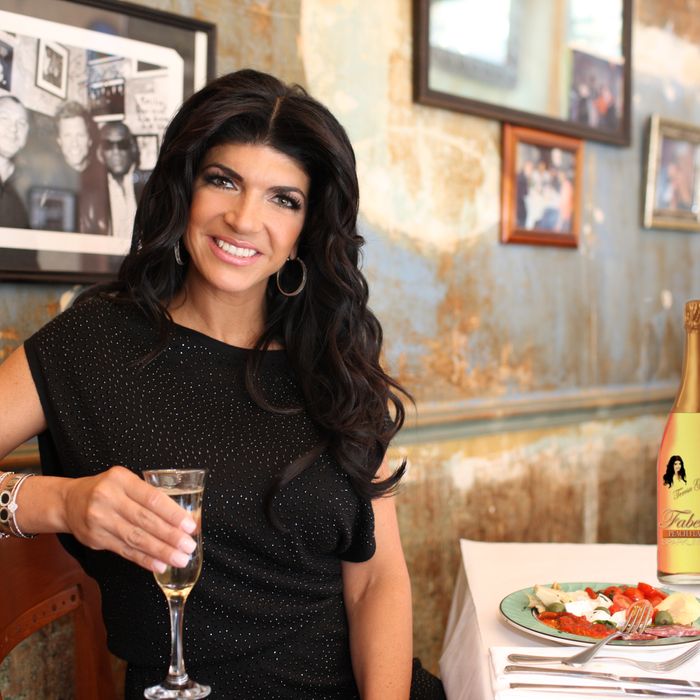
[662, 666]
[638, 618]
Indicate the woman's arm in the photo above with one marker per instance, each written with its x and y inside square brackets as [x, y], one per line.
[377, 596]
[114, 510]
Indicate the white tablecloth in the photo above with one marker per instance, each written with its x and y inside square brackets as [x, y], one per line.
[492, 570]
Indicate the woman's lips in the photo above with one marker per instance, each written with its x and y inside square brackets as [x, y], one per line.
[232, 253]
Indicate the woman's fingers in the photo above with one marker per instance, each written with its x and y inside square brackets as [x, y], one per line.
[118, 511]
[154, 501]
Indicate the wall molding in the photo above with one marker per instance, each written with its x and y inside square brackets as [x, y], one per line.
[441, 420]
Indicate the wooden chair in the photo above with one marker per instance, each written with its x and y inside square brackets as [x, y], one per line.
[39, 583]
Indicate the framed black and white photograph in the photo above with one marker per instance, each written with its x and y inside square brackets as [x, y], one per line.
[87, 88]
[5, 65]
[52, 68]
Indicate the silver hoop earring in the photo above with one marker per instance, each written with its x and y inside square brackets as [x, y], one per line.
[178, 257]
[302, 284]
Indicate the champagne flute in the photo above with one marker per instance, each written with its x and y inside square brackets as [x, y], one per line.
[186, 488]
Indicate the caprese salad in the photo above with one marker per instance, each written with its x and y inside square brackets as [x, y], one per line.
[597, 613]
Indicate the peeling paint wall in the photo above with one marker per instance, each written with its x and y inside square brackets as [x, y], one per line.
[469, 321]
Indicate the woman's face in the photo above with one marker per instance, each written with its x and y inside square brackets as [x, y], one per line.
[248, 207]
[676, 466]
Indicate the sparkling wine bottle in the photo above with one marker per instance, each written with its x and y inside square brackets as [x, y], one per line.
[678, 470]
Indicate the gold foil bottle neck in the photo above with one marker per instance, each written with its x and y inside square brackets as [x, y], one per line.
[688, 397]
[692, 315]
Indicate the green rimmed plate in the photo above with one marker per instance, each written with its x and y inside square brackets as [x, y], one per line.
[514, 608]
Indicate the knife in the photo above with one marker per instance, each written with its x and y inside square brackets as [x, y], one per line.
[603, 690]
[679, 684]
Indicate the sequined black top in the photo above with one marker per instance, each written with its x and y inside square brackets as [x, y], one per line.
[268, 611]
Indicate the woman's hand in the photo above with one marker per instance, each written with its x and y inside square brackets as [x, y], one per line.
[115, 510]
[118, 511]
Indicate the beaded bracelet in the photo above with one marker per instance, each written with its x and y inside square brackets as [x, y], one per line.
[8, 504]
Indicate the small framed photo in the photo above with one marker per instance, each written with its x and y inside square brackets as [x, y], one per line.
[540, 187]
[52, 68]
[148, 150]
[672, 188]
[52, 209]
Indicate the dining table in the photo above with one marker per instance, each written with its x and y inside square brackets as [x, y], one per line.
[490, 571]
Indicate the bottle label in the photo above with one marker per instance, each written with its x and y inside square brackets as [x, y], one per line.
[678, 495]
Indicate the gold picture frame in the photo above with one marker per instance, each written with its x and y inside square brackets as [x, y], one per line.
[672, 182]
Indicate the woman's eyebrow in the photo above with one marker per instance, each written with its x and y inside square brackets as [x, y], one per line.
[230, 172]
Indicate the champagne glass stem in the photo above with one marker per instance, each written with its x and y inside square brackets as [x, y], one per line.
[176, 672]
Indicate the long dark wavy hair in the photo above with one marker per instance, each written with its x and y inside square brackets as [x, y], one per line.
[332, 339]
[668, 476]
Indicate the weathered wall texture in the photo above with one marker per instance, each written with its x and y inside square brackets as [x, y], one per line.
[517, 355]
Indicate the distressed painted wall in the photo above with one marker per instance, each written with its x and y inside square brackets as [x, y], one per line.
[542, 375]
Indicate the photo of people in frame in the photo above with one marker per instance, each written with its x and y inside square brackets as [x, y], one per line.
[5, 66]
[596, 92]
[71, 162]
[544, 188]
[676, 179]
[52, 68]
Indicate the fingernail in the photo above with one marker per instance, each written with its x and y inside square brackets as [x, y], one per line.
[180, 559]
[187, 545]
[159, 566]
[188, 525]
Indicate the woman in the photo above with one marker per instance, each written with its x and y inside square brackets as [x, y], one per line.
[237, 338]
[675, 471]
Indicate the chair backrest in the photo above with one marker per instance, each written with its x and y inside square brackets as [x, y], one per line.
[39, 583]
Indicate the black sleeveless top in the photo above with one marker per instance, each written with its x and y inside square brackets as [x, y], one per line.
[267, 612]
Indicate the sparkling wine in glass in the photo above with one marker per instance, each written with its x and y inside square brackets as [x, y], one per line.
[186, 488]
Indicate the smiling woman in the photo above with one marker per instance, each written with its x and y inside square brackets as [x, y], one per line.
[248, 209]
[204, 354]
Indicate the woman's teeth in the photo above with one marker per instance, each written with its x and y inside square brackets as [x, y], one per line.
[235, 250]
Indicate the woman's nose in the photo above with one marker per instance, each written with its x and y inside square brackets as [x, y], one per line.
[244, 215]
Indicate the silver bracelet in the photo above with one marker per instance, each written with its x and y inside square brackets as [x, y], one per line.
[8, 505]
[3, 533]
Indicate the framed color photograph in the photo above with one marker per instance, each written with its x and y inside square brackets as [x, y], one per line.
[540, 187]
[87, 88]
[560, 66]
[672, 187]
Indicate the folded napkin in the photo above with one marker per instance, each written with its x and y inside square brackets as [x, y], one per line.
[502, 691]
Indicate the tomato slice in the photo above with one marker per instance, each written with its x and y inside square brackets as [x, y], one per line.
[622, 601]
[610, 591]
[591, 593]
[633, 594]
[650, 592]
[655, 600]
[645, 588]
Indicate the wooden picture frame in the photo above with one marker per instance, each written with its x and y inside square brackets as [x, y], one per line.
[540, 187]
[558, 67]
[672, 177]
[115, 61]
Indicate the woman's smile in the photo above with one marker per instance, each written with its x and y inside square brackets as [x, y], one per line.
[235, 253]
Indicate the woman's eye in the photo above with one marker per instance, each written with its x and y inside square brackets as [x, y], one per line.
[288, 202]
[218, 180]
